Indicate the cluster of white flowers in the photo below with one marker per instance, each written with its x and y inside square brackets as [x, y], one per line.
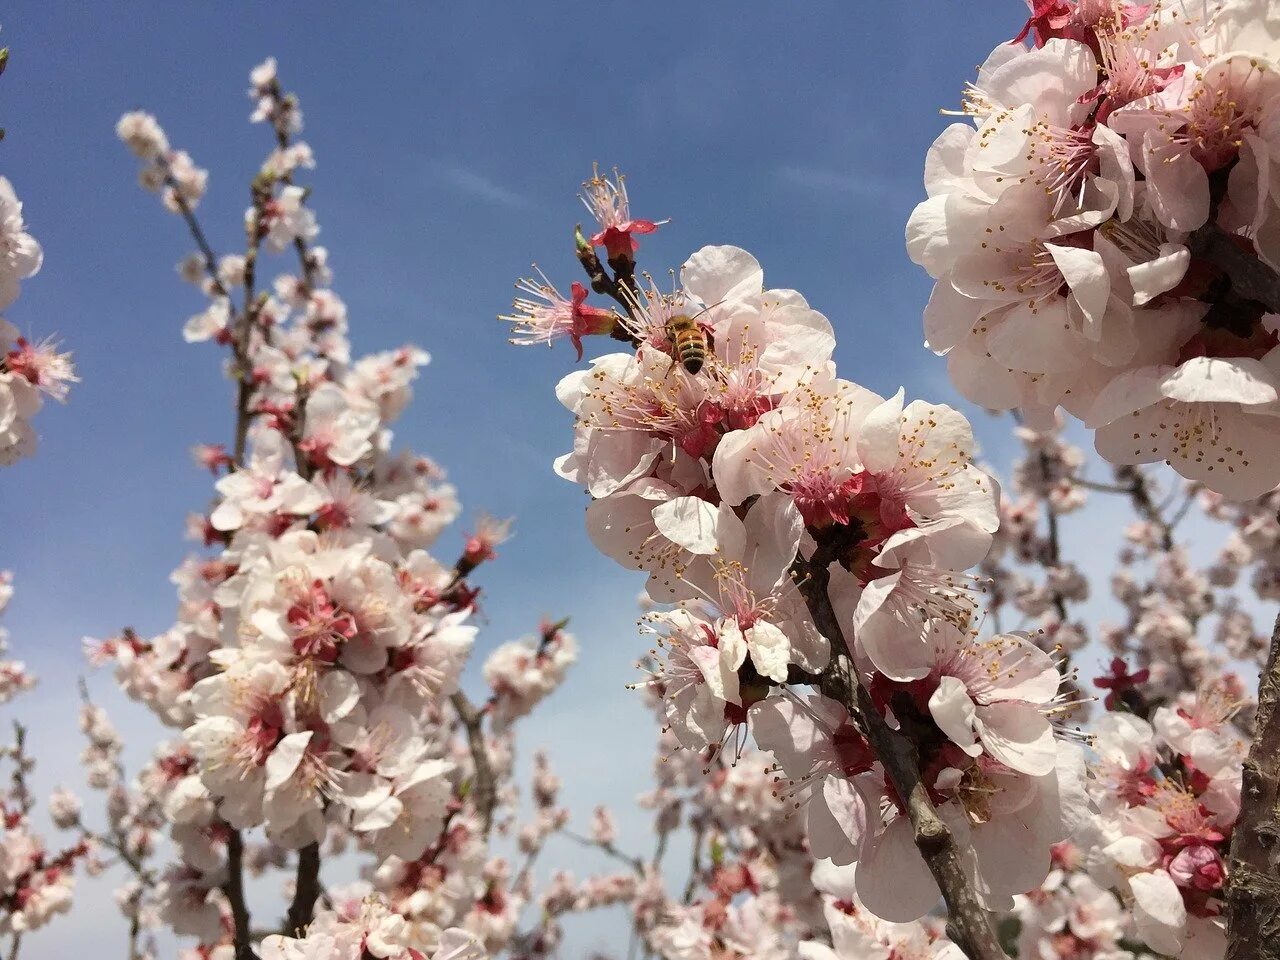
[728, 461]
[1168, 794]
[36, 883]
[370, 929]
[318, 644]
[29, 372]
[1077, 229]
[14, 676]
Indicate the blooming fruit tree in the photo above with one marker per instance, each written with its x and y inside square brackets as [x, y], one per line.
[874, 684]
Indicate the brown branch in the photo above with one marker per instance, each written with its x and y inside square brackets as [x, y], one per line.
[1253, 885]
[635, 863]
[135, 930]
[484, 788]
[306, 890]
[242, 320]
[243, 327]
[1251, 279]
[21, 792]
[695, 865]
[968, 924]
[234, 890]
[280, 126]
[621, 289]
[197, 232]
[1055, 555]
[1099, 487]
[1140, 494]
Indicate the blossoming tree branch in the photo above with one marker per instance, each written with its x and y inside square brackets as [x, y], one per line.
[882, 728]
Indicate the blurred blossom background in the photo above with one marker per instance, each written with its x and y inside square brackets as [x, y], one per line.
[451, 140]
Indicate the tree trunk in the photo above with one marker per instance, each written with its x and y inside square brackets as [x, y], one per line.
[1253, 888]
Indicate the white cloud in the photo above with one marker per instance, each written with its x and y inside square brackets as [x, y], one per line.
[477, 185]
[852, 183]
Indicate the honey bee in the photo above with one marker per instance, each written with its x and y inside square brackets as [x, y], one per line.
[689, 341]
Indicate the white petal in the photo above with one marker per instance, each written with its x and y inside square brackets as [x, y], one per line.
[893, 880]
[1158, 911]
[1019, 736]
[1216, 379]
[690, 522]
[770, 650]
[285, 758]
[714, 274]
[953, 711]
[1160, 275]
[1178, 187]
[1087, 277]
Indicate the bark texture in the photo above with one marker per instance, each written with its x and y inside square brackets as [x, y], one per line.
[1253, 888]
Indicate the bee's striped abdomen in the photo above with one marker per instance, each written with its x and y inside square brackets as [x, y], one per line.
[688, 342]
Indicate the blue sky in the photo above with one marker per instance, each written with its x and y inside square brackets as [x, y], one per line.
[451, 139]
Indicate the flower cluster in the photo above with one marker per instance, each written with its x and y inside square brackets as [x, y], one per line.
[14, 676]
[369, 929]
[1085, 228]
[29, 372]
[36, 882]
[756, 489]
[314, 666]
[311, 647]
[1168, 794]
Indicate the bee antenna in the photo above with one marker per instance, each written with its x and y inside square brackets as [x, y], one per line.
[705, 309]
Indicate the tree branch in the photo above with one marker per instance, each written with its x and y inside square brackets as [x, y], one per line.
[1251, 279]
[1253, 885]
[484, 789]
[969, 924]
[234, 890]
[197, 232]
[306, 890]
[1140, 494]
[695, 865]
[621, 289]
[635, 863]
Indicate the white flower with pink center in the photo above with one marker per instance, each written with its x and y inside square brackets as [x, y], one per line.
[699, 688]
[337, 431]
[831, 771]
[745, 580]
[263, 489]
[996, 696]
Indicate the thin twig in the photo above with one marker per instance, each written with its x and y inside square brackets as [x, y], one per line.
[635, 863]
[1100, 487]
[695, 864]
[484, 791]
[197, 232]
[234, 890]
[306, 890]
[1139, 489]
